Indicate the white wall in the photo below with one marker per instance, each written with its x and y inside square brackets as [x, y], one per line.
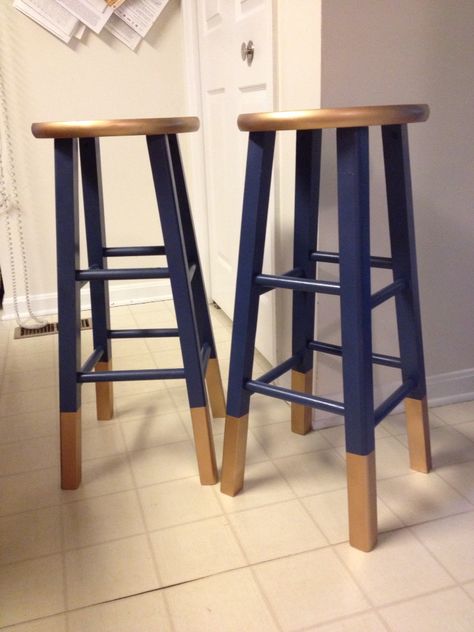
[95, 78]
[297, 81]
[395, 51]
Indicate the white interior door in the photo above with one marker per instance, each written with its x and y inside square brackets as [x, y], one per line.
[230, 86]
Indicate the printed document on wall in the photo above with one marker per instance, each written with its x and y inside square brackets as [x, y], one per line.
[123, 32]
[140, 15]
[94, 13]
[51, 16]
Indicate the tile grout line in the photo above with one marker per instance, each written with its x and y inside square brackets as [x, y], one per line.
[142, 514]
[148, 538]
[249, 564]
[346, 618]
[437, 591]
[224, 514]
[466, 592]
[136, 489]
[433, 555]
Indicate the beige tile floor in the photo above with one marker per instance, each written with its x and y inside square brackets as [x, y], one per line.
[141, 546]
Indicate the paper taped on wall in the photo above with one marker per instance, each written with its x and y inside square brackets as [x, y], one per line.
[128, 20]
[50, 15]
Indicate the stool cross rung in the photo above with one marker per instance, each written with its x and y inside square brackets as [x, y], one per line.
[120, 274]
[142, 333]
[291, 283]
[377, 358]
[130, 375]
[395, 398]
[387, 292]
[320, 256]
[92, 360]
[279, 370]
[322, 403]
[134, 251]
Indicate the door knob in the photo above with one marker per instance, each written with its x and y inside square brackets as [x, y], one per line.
[247, 51]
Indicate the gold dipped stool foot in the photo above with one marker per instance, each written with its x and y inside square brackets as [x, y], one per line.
[215, 388]
[301, 416]
[418, 432]
[204, 445]
[104, 394]
[71, 452]
[362, 498]
[233, 461]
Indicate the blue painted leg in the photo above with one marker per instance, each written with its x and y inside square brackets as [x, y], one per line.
[354, 241]
[167, 195]
[206, 336]
[67, 240]
[308, 168]
[95, 231]
[252, 240]
[402, 237]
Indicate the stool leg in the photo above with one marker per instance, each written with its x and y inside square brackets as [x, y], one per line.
[362, 500]
[418, 432]
[206, 336]
[402, 238]
[67, 251]
[178, 263]
[252, 240]
[354, 241]
[95, 233]
[308, 167]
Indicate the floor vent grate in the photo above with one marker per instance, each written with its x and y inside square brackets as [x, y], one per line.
[50, 328]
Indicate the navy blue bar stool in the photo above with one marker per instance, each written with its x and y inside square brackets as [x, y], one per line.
[77, 143]
[354, 288]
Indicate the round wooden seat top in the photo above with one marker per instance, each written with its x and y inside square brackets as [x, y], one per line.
[117, 127]
[333, 118]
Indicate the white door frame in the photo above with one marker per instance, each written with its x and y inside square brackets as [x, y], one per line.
[196, 179]
[196, 170]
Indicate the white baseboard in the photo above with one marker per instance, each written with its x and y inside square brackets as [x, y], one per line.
[450, 388]
[125, 294]
[442, 389]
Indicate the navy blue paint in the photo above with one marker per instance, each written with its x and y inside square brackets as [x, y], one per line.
[377, 358]
[295, 273]
[195, 276]
[280, 369]
[205, 355]
[89, 150]
[387, 292]
[298, 398]
[191, 273]
[169, 193]
[402, 238]
[300, 285]
[307, 177]
[252, 240]
[355, 263]
[134, 251]
[333, 257]
[395, 398]
[143, 333]
[354, 248]
[92, 360]
[131, 376]
[67, 253]
[117, 274]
